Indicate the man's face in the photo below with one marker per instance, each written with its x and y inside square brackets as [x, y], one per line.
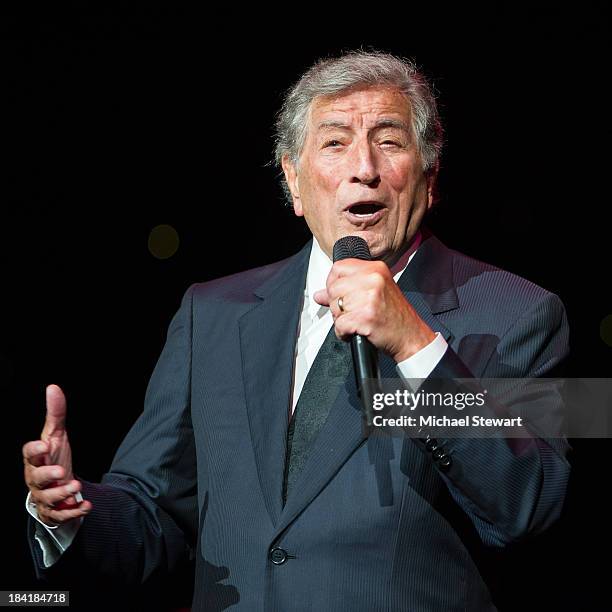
[360, 172]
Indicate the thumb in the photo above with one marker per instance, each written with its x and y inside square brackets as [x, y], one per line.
[56, 412]
[321, 297]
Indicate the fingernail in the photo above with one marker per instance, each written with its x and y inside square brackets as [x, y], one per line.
[41, 448]
[71, 488]
[56, 473]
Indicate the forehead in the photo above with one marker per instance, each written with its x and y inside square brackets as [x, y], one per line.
[360, 106]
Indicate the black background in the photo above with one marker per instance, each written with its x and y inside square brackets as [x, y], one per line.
[115, 123]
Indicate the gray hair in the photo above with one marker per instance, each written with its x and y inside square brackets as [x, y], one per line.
[334, 76]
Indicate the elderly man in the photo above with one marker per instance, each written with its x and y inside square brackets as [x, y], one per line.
[247, 374]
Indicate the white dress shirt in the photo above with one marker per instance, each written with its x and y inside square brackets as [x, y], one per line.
[315, 323]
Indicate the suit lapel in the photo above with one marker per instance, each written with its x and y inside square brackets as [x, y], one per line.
[267, 337]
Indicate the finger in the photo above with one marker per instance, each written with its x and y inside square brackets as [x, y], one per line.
[349, 267]
[321, 297]
[52, 497]
[354, 296]
[45, 476]
[34, 452]
[334, 305]
[67, 504]
[56, 412]
[368, 273]
[341, 269]
[342, 287]
[60, 517]
[348, 325]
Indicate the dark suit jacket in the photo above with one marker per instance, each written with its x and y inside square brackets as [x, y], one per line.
[370, 525]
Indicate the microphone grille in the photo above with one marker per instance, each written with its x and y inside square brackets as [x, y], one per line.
[351, 247]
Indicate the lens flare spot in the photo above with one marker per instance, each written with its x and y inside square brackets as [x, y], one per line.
[163, 241]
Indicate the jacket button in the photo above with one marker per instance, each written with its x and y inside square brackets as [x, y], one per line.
[438, 453]
[426, 436]
[278, 556]
[444, 463]
[431, 445]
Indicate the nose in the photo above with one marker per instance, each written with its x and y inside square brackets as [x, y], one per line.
[363, 166]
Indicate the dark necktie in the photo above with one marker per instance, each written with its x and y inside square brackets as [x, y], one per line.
[325, 377]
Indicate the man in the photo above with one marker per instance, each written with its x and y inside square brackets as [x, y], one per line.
[247, 377]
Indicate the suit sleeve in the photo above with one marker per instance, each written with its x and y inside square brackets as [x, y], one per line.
[144, 517]
[511, 487]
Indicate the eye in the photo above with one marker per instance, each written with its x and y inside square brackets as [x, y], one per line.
[391, 143]
[332, 143]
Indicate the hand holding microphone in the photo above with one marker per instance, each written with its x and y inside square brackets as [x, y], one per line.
[367, 305]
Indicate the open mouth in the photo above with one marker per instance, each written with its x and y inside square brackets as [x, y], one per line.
[365, 209]
[364, 214]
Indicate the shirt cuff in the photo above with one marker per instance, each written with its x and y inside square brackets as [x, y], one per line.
[422, 363]
[53, 540]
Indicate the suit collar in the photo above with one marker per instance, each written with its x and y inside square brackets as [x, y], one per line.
[293, 271]
[430, 275]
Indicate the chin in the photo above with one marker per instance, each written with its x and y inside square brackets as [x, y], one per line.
[379, 252]
[377, 247]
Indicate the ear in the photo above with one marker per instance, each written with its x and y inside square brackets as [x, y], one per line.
[292, 180]
[431, 177]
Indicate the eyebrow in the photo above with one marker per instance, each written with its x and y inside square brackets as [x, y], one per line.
[381, 123]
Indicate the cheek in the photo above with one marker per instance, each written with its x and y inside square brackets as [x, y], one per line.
[411, 187]
[325, 181]
[323, 174]
[318, 191]
[401, 178]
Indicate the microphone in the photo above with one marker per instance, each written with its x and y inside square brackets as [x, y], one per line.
[365, 355]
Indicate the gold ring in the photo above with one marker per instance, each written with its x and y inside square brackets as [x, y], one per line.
[341, 304]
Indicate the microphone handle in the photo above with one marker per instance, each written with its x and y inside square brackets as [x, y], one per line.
[367, 373]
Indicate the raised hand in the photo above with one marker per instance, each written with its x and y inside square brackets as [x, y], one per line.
[48, 467]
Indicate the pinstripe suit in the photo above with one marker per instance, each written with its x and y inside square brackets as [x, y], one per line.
[371, 525]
